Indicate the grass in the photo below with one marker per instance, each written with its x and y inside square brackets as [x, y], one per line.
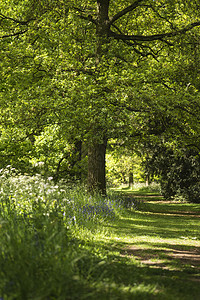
[58, 243]
[160, 245]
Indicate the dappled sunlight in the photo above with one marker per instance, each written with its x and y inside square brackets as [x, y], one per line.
[170, 257]
[95, 95]
[163, 226]
[161, 243]
[109, 251]
[156, 268]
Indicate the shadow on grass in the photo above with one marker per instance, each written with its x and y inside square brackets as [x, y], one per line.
[126, 276]
[157, 225]
[154, 253]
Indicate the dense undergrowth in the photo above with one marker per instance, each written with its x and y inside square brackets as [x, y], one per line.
[44, 229]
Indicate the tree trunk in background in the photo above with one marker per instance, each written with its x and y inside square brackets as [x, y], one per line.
[147, 180]
[78, 157]
[96, 168]
[130, 179]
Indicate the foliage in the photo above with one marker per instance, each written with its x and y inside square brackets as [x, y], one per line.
[40, 222]
[28, 194]
[154, 187]
[121, 164]
[179, 171]
[51, 78]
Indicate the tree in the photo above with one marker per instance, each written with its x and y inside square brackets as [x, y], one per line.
[87, 66]
[178, 170]
[123, 166]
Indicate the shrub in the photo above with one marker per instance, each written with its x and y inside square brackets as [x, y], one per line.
[179, 172]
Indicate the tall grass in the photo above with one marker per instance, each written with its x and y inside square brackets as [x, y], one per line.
[42, 255]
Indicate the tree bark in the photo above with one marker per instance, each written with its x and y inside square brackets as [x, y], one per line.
[97, 144]
[147, 180]
[96, 168]
[130, 179]
[102, 28]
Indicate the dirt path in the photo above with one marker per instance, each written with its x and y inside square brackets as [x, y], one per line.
[189, 257]
[178, 255]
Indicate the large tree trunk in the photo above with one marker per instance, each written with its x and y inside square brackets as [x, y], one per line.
[97, 147]
[96, 167]
[101, 28]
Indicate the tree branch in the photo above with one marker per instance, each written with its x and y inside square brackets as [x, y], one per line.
[88, 18]
[192, 113]
[129, 108]
[124, 11]
[15, 20]
[154, 37]
[13, 34]
[84, 15]
[167, 86]
[159, 15]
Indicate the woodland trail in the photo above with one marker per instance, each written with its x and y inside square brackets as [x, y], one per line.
[162, 238]
[175, 254]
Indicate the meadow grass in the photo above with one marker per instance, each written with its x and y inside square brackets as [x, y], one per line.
[56, 242]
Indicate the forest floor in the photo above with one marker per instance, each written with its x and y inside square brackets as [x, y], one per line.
[156, 250]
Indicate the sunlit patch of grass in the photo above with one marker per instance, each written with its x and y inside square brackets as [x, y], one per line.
[140, 189]
[164, 240]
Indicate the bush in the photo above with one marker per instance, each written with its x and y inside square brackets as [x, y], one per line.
[179, 172]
